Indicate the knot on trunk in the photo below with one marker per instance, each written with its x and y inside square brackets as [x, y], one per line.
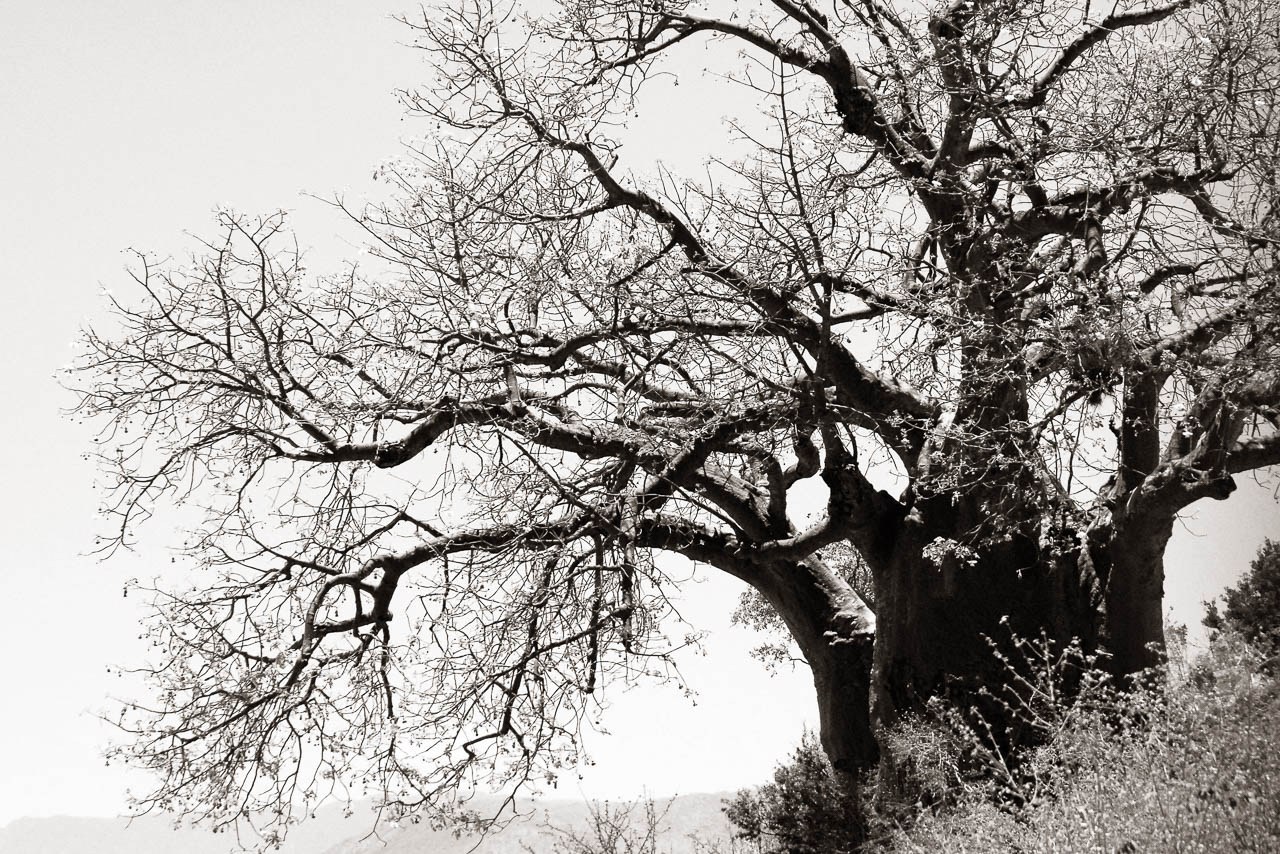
[847, 626]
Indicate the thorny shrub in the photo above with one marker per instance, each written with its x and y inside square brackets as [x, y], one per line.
[627, 828]
[1185, 767]
[1010, 743]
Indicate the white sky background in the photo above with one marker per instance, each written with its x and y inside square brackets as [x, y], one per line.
[123, 124]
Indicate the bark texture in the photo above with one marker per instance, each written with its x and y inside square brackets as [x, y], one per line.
[826, 620]
[943, 615]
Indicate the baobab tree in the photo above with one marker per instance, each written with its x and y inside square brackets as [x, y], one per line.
[994, 283]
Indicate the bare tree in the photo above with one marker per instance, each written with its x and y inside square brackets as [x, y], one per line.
[1018, 258]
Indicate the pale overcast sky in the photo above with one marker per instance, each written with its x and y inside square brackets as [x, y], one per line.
[124, 124]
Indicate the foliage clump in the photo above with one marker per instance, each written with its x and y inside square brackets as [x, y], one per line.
[807, 809]
[1253, 608]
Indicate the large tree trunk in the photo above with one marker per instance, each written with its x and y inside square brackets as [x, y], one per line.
[943, 613]
[826, 620]
[1132, 630]
[937, 620]
[842, 681]
[943, 608]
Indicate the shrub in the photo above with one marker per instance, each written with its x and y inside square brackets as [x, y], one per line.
[1193, 768]
[992, 745]
[632, 827]
[1160, 765]
[808, 808]
[1253, 608]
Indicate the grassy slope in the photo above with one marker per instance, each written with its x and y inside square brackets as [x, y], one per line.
[1200, 774]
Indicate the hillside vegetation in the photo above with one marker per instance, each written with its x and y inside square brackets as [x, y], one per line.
[1188, 762]
[1194, 770]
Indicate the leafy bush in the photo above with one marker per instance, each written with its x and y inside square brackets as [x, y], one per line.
[807, 809]
[1253, 608]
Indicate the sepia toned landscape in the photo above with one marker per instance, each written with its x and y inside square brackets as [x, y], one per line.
[653, 427]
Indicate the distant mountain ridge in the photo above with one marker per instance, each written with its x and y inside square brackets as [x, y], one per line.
[687, 817]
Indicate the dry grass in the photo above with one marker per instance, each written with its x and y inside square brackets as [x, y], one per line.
[1192, 768]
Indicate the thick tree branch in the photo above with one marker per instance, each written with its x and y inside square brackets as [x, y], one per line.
[883, 403]
[1085, 42]
[1255, 453]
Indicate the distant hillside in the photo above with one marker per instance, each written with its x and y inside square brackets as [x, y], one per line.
[156, 835]
[330, 833]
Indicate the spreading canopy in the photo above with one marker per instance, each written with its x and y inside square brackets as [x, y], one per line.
[1014, 259]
